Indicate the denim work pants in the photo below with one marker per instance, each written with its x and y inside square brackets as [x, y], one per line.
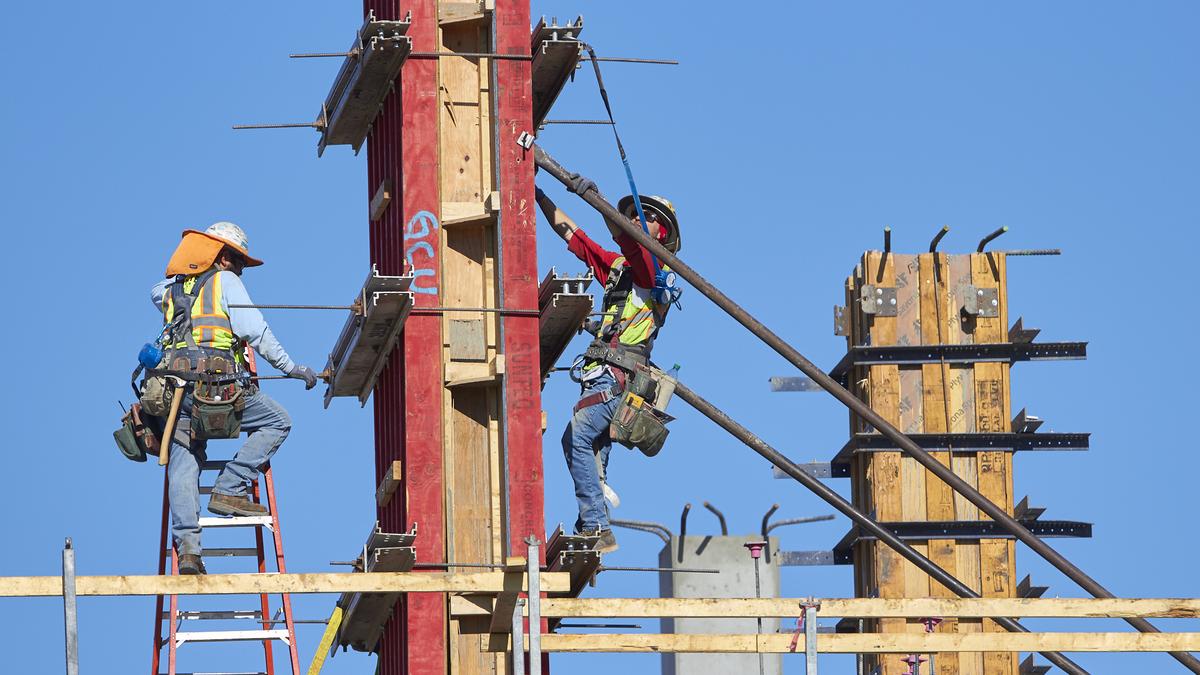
[586, 445]
[267, 424]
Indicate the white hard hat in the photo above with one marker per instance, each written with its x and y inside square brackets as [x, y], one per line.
[232, 236]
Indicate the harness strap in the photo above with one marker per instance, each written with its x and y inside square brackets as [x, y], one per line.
[598, 398]
[181, 302]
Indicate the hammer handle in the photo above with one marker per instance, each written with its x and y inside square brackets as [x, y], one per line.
[164, 448]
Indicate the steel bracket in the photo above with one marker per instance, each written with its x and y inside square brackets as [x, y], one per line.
[981, 302]
[365, 614]
[841, 321]
[878, 300]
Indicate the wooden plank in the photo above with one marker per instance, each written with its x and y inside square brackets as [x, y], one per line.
[939, 498]
[866, 643]
[865, 608]
[912, 475]
[992, 413]
[391, 481]
[226, 584]
[381, 200]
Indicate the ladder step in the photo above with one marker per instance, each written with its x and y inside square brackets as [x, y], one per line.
[236, 521]
[195, 615]
[224, 552]
[230, 636]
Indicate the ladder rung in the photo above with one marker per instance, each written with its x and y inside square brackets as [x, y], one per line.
[200, 615]
[214, 465]
[224, 552]
[236, 521]
[230, 636]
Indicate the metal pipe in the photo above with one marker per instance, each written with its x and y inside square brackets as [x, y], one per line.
[861, 519]
[518, 640]
[535, 606]
[645, 526]
[622, 59]
[798, 521]
[937, 238]
[988, 239]
[561, 626]
[664, 570]
[418, 310]
[860, 408]
[70, 614]
[766, 518]
[257, 306]
[810, 636]
[720, 517]
[324, 55]
[577, 122]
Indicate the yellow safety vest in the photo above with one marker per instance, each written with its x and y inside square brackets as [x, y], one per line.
[633, 307]
[210, 324]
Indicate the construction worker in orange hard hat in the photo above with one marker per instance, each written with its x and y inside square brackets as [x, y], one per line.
[205, 338]
[616, 363]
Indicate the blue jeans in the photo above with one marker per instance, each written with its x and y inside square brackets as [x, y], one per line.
[586, 445]
[267, 424]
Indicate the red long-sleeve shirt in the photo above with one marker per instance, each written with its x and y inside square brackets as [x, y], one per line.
[600, 260]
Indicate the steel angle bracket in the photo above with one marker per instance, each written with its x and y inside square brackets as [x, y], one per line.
[575, 555]
[981, 302]
[365, 614]
[563, 306]
[366, 77]
[878, 300]
[960, 442]
[960, 530]
[999, 352]
[369, 335]
[556, 51]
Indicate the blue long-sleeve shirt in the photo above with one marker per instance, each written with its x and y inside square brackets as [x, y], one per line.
[248, 323]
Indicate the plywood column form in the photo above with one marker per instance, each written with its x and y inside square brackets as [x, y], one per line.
[459, 404]
[932, 398]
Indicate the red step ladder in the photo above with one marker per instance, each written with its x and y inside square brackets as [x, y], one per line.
[264, 621]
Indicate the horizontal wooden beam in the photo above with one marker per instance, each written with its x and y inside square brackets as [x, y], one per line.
[861, 643]
[866, 608]
[237, 584]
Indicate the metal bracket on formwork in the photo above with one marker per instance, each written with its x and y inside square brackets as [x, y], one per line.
[575, 555]
[366, 77]
[878, 300]
[1019, 334]
[1026, 589]
[1029, 667]
[370, 334]
[999, 352]
[1024, 423]
[814, 469]
[365, 614]
[556, 51]
[563, 306]
[960, 530]
[807, 558]
[841, 321]
[981, 302]
[800, 383]
[1022, 441]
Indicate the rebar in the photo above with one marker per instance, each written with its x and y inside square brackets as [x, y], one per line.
[720, 517]
[1033, 251]
[990, 238]
[292, 125]
[645, 526]
[937, 238]
[797, 521]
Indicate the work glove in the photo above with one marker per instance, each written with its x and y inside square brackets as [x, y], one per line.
[581, 184]
[304, 373]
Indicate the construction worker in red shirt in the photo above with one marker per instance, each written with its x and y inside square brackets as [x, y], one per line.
[624, 337]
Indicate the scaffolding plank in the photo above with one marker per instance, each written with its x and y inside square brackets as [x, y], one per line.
[556, 51]
[369, 336]
[563, 306]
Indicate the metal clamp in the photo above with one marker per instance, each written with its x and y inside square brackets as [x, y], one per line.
[526, 139]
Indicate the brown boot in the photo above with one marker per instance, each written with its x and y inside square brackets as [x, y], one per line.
[190, 563]
[232, 505]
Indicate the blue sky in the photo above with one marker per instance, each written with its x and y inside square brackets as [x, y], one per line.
[788, 138]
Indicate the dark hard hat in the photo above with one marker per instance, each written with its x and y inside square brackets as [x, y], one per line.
[665, 212]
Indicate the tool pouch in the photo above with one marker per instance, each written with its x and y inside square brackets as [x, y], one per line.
[217, 410]
[636, 424]
[135, 439]
[156, 396]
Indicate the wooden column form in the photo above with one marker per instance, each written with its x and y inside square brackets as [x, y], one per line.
[459, 403]
[930, 398]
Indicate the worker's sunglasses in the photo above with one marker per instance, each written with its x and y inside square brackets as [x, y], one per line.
[651, 217]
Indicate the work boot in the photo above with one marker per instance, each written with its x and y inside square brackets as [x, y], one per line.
[235, 505]
[190, 563]
[607, 542]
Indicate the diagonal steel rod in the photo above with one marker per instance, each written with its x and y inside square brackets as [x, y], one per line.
[852, 512]
[906, 445]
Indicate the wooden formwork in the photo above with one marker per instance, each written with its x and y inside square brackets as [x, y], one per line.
[931, 398]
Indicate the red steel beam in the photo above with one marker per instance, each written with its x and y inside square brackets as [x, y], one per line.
[519, 276]
[403, 147]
